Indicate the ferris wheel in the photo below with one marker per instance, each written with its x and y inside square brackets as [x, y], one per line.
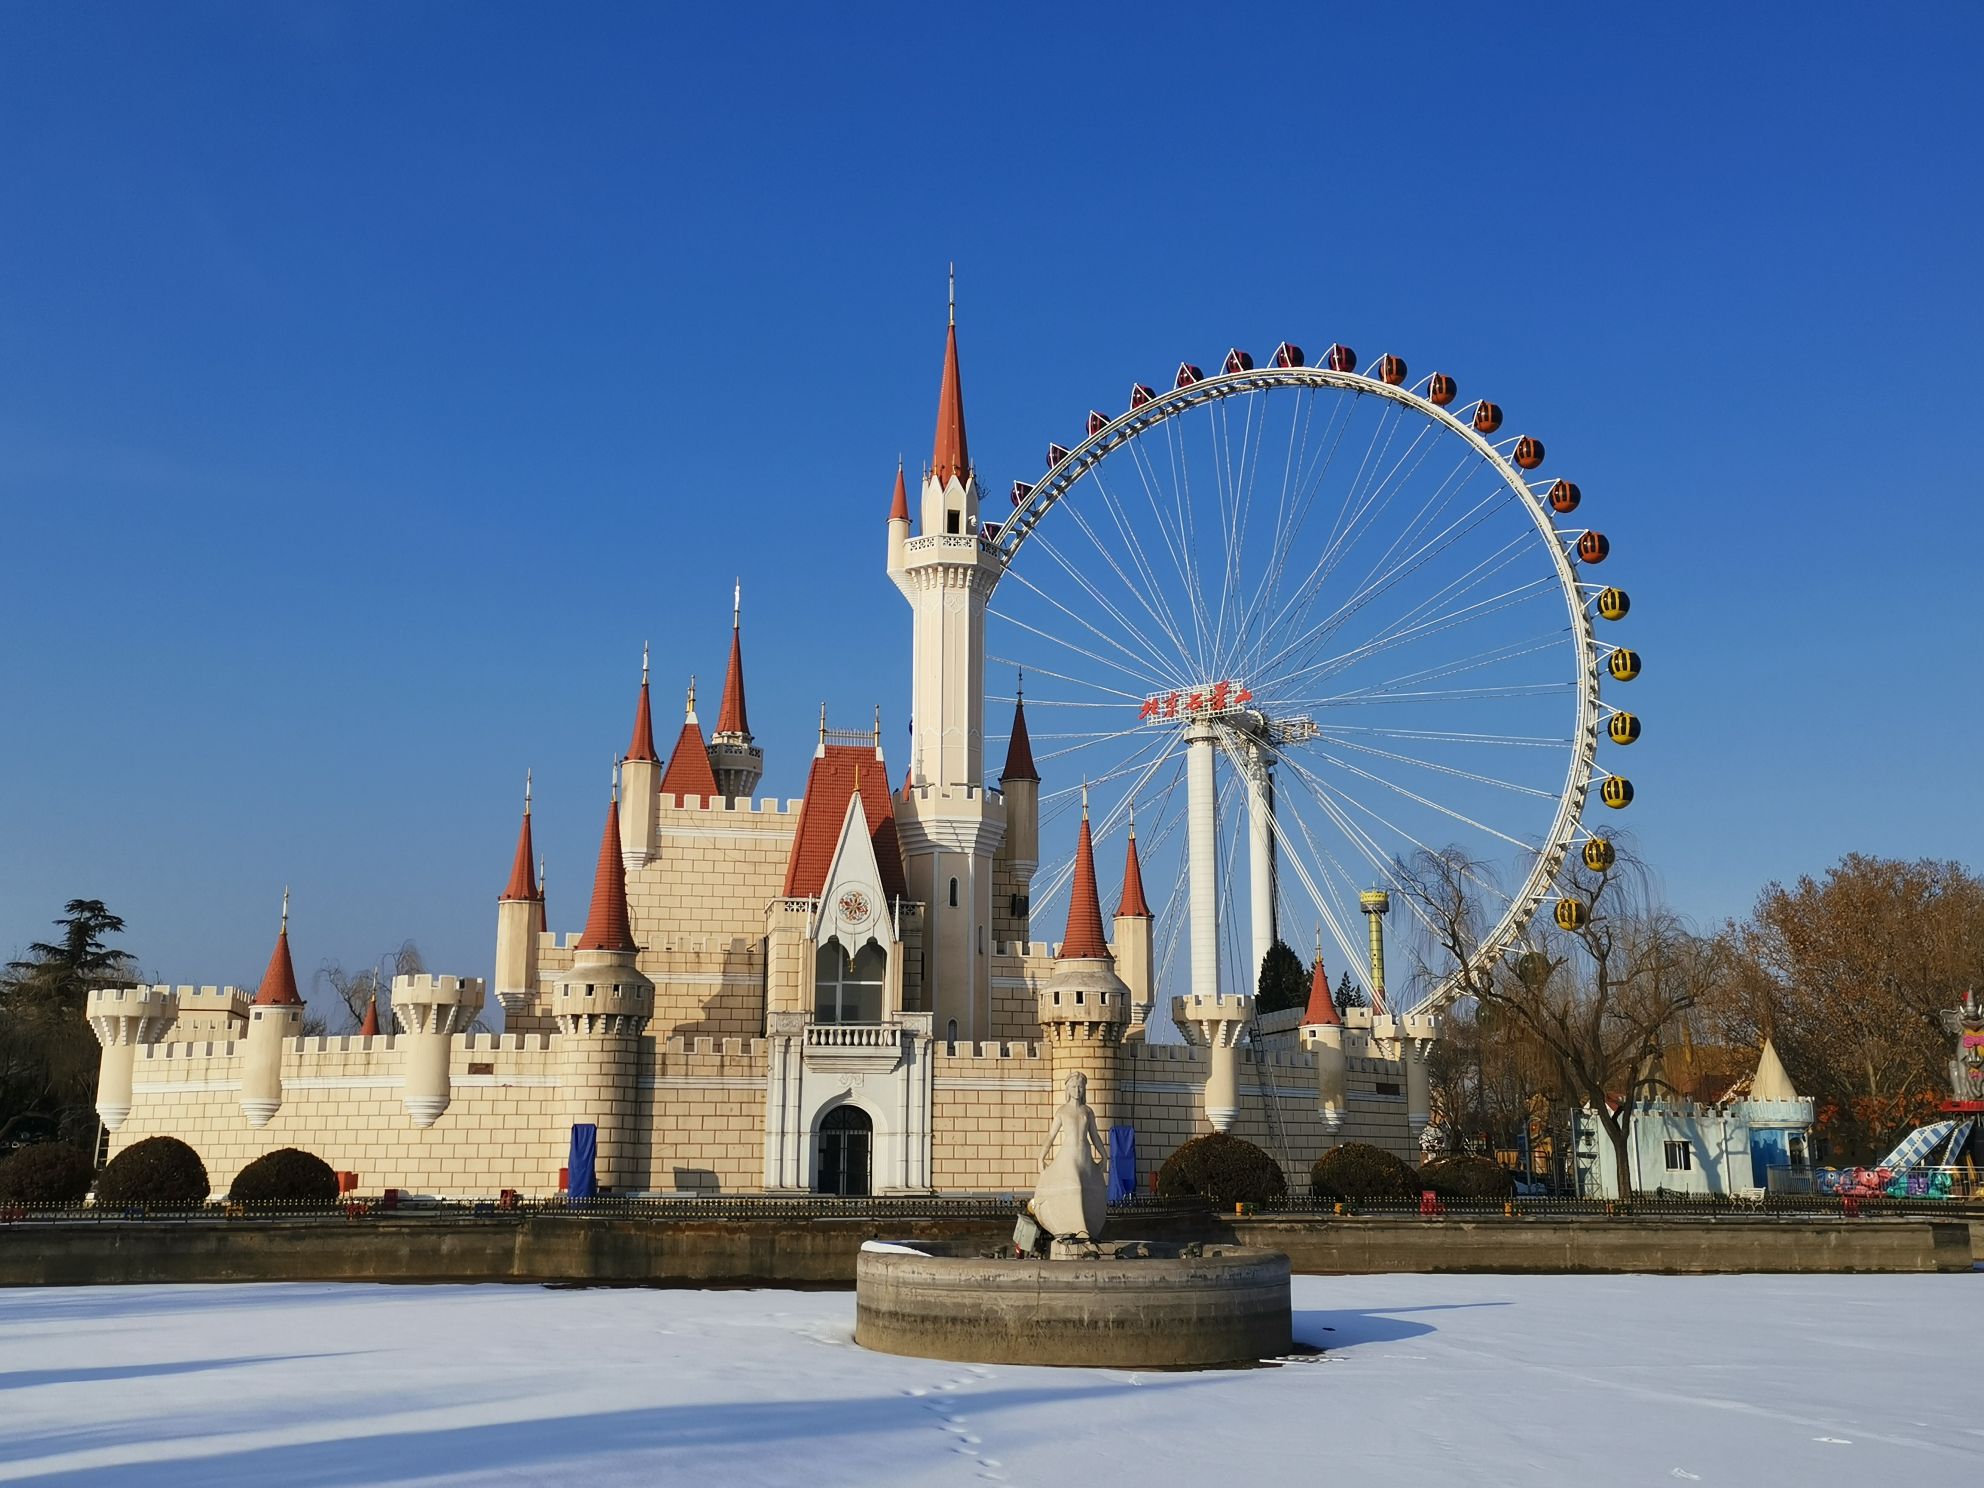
[1297, 624]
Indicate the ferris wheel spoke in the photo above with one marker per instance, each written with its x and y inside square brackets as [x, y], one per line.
[1453, 770]
[1108, 557]
[1414, 796]
[1043, 671]
[1276, 634]
[1492, 656]
[1149, 588]
[1325, 795]
[1374, 587]
[1148, 679]
[1446, 736]
[1083, 583]
[1482, 609]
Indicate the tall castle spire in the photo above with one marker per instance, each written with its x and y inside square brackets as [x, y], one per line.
[1322, 1005]
[950, 457]
[1084, 940]
[278, 987]
[1019, 748]
[520, 885]
[730, 717]
[736, 762]
[642, 746]
[1133, 902]
[607, 925]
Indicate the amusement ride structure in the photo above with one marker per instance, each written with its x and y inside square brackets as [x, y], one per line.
[1352, 618]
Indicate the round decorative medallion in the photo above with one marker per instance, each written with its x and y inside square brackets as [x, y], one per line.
[855, 908]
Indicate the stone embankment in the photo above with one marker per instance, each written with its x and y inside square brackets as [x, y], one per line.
[804, 1250]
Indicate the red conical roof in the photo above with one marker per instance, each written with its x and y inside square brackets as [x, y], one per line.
[731, 717]
[1084, 940]
[521, 885]
[899, 508]
[607, 926]
[370, 1027]
[278, 987]
[642, 747]
[949, 458]
[689, 773]
[1322, 1006]
[1019, 748]
[1134, 904]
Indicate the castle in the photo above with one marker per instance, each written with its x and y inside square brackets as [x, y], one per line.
[840, 994]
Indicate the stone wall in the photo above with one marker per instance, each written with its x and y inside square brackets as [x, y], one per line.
[821, 1250]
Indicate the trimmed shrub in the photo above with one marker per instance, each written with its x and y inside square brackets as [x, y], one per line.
[46, 1173]
[1224, 1169]
[1357, 1170]
[289, 1175]
[158, 1170]
[1460, 1177]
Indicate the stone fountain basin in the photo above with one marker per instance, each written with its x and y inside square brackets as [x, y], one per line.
[1134, 1305]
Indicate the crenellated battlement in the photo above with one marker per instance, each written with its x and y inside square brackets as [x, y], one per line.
[430, 988]
[681, 1054]
[995, 1051]
[696, 806]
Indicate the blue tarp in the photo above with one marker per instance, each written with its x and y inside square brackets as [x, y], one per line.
[580, 1180]
[1122, 1163]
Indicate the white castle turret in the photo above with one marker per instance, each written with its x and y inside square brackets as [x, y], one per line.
[735, 759]
[519, 914]
[640, 783]
[430, 1011]
[1133, 938]
[1216, 1022]
[602, 1006]
[1084, 1006]
[1322, 1036]
[951, 826]
[276, 1018]
[124, 1018]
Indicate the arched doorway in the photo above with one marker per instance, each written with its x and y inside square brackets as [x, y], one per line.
[846, 1138]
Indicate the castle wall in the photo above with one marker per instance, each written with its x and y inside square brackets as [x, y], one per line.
[342, 1100]
[706, 1115]
[698, 1107]
[989, 1112]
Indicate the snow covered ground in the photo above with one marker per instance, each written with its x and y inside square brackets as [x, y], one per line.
[1581, 1381]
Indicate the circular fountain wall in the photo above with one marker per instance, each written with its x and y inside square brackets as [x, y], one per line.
[1140, 1305]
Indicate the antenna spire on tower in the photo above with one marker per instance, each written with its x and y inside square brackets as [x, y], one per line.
[284, 928]
[526, 790]
[954, 291]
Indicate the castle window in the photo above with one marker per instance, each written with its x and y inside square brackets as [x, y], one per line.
[847, 991]
[954, 893]
[951, 1032]
[1389, 1087]
[951, 523]
[1679, 1158]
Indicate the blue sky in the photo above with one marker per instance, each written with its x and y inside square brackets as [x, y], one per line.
[375, 379]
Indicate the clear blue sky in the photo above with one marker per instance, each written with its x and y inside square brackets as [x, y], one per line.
[374, 379]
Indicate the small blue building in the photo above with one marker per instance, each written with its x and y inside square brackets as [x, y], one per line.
[1729, 1147]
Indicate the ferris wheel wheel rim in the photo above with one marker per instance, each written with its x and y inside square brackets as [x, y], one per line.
[1067, 472]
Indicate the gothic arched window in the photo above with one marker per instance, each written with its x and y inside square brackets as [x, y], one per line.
[848, 991]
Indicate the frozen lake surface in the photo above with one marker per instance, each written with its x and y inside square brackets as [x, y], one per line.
[1579, 1380]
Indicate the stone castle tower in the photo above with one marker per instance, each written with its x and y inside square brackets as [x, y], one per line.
[951, 826]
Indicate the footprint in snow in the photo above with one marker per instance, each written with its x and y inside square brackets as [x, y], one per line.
[1837, 1441]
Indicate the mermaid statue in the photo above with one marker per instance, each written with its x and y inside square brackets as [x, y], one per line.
[1072, 1201]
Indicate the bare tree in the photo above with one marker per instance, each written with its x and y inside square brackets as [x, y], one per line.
[355, 988]
[1598, 1001]
[1847, 974]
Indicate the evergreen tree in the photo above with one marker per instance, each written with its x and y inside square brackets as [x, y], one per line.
[1283, 981]
[1348, 995]
[48, 1055]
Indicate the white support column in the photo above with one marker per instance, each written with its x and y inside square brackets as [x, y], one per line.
[1260, 857]
[1202, 838]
